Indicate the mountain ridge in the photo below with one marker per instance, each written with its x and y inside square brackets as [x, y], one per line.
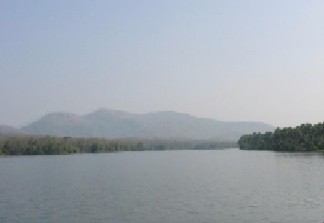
[106, 123]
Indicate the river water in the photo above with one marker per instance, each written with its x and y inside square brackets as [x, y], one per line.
[224, 186]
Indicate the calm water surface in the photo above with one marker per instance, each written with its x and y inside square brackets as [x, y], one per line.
[223, 186]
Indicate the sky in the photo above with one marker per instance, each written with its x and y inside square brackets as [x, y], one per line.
[229, 60]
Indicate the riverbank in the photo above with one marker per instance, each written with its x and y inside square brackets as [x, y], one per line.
[49, 145]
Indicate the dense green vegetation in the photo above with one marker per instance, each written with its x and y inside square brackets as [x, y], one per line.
[47, 145]
[305, 137]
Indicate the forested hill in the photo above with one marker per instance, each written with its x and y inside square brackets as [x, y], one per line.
[305, 137]
[106, 123]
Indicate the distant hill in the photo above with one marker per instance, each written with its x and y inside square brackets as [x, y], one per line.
[9, 130]
[106, 123]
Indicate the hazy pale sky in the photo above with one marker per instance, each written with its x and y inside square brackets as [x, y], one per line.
[230, 60]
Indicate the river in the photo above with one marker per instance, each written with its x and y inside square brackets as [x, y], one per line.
[224, 186]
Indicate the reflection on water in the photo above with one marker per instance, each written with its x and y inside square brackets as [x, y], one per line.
[166, 186]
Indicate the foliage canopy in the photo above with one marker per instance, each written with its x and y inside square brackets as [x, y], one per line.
[305, 137]
[48, 145]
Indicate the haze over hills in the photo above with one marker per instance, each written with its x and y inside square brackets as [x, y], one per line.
[9, 130]
[106, 123]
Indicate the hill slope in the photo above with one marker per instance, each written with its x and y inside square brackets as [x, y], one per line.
[119, 124]
[8, 130]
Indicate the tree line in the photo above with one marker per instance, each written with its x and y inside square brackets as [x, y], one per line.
[49, 145]
[306, 137]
